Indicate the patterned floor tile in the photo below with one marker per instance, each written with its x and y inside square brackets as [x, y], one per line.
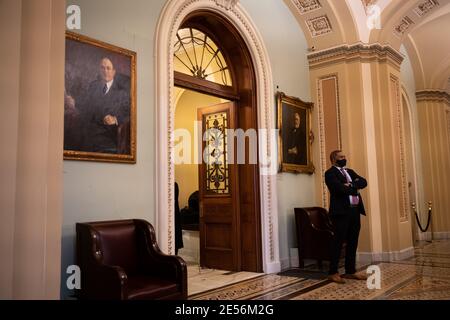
[423, 288]
[426, 276]
[249, 289]
[391, 275]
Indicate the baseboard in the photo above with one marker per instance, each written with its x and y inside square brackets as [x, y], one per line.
[427, 236]
[293, 262]
[369, 257]
[286, 263]
[272, 267]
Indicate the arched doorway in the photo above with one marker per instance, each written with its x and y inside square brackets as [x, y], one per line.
[230, 232]
[173, 15]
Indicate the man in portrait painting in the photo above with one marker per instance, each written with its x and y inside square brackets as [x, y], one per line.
[295, 151]
[100, 118]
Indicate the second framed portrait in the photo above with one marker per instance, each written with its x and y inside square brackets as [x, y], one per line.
[99, 101]
[295, 135]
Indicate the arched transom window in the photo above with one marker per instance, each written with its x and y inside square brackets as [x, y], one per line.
[197, 55]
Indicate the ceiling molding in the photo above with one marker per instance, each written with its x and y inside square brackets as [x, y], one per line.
[414, 17]
[425, 7]
[306, 6]
[319, 26]
[401, 28]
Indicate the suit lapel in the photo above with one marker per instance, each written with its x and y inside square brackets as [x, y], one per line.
[339, 174]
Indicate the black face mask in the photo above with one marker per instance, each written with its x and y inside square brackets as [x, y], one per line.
[341, 163]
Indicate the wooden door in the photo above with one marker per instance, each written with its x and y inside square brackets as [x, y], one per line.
[218, 191]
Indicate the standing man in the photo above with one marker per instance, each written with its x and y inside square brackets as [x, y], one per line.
[346, 205]
[107, 106]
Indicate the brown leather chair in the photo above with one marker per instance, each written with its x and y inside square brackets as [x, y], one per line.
[314, 234]
[120, 260]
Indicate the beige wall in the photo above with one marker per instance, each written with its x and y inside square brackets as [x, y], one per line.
[34, 114]
[436, 161]
[10, 35]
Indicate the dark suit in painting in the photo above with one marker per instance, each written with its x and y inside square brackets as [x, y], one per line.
[296, 139]
[100, 137]
[344, 215]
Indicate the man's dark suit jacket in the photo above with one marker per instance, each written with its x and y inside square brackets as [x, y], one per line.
[296, 139]
[116, 102]
[339, 192]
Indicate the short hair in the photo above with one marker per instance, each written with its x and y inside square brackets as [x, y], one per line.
[109, 59]
[333, 155]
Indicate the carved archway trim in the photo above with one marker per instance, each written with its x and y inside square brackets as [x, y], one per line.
[170, 20]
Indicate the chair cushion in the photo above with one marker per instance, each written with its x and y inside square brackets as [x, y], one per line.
[146, 287]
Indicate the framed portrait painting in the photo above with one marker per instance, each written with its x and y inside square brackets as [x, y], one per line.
[295, 135]
[99, 101]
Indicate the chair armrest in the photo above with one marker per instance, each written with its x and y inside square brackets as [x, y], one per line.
[326, 231]
[104, 282]
[159, 263]
[169, 267]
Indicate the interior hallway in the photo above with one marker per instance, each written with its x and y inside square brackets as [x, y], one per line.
[426, 276]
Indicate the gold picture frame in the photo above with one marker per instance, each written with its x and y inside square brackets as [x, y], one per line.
[99, 101]
[295, 134]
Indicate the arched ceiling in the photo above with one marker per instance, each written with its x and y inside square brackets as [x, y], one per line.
[429, 51]
[325, 23]
[420, 25]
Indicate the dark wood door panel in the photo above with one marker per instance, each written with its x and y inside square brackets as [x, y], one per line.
[218, 192]
[218, 236]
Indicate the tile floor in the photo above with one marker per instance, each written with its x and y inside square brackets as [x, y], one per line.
[201, 280]
[426, 276]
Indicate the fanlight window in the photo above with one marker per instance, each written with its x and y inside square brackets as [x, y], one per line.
[197, 55]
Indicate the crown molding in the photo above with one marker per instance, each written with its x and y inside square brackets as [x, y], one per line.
[359, 52]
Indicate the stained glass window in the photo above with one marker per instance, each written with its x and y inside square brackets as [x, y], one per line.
[215, 153]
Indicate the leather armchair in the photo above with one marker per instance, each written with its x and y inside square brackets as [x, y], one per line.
[120, 260]
[314, 234]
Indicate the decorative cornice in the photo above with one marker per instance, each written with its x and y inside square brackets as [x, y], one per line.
[227, 4]
[359, 51]
[433, 95]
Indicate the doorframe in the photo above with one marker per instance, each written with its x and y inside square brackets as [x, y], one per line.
[169, 22]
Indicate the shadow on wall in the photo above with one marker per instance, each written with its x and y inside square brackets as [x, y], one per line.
[68, 249]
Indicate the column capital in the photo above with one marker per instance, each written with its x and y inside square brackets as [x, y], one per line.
[356, 52]
[433, 95]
